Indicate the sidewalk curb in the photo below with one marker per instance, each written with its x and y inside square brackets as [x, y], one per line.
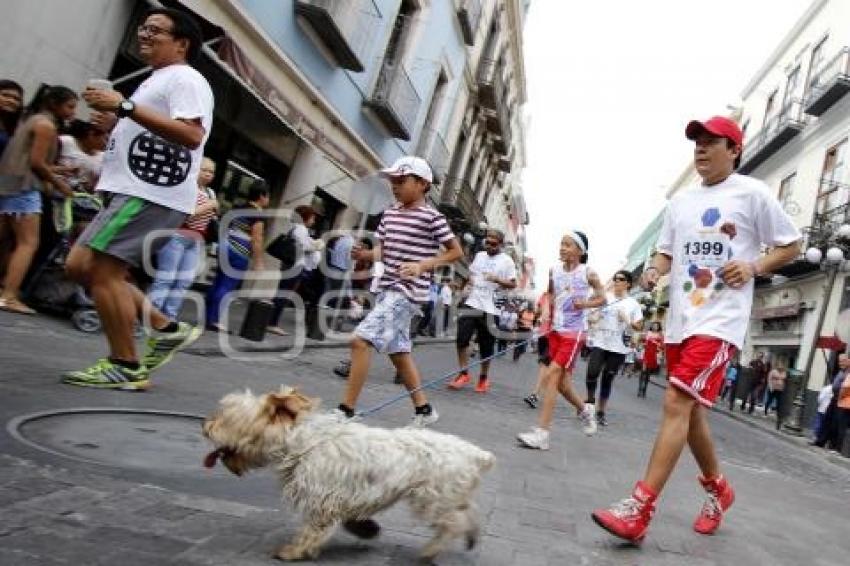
[798, 441]
[311, 344]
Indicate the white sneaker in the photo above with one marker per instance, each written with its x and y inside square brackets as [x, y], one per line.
[421, 421]
[538, 439]
[588, 420]
[341, 417]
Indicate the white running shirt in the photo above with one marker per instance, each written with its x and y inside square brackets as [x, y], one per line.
[705, 227]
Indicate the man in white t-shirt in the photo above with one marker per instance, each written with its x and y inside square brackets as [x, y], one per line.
[491, 270]
[621, 315]
[150, 173]
[710, 242]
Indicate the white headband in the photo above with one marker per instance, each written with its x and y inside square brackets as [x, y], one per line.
[577, 239]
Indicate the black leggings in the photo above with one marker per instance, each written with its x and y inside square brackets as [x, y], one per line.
[608, 364]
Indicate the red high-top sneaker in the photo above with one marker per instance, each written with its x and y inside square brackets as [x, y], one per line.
[629, 519]
[720, 498]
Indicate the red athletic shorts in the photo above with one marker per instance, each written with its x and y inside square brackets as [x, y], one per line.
[697, 366]
[565, 347]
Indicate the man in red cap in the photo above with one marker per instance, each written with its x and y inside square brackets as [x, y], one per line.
[710, 244]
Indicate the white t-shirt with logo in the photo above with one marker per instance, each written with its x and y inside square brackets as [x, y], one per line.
[705, 227]
[139, 163]
[483, 292]
[607, 332]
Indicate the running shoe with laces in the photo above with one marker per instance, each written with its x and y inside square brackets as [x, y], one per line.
[421, 420]
[532, 400]
[461, 381]
[720, 497]
[588, 420]
[537, 438]
[600, 418]
[159, 349]
[483, 385]
[629, 519]
[105, 374]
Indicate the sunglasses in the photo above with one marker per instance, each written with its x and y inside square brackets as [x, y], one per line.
[618, 278]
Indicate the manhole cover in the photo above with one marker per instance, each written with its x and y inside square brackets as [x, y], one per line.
[128, 438]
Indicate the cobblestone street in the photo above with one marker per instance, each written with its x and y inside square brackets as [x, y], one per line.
[535, 506]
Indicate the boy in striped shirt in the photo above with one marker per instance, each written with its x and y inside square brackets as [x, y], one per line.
[409, 238]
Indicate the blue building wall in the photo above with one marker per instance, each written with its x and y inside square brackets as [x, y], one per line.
[437, 40]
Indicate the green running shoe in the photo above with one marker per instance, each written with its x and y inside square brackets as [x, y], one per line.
[160, 349]
[107, 375]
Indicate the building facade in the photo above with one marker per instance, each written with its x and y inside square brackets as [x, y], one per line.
[795, 114]
[315, 95]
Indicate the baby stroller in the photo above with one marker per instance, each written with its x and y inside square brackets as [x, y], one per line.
[48, 288]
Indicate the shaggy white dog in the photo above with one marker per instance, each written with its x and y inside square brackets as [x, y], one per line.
[344, 472]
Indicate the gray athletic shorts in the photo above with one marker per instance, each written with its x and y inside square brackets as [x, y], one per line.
[120, 229]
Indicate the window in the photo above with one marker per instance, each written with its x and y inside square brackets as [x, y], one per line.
[791, 87]
[770, 108]
[400, 33]
[786, 187]
[833, 191]
[818, 54]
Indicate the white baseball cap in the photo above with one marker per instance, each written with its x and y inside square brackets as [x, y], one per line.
[409, 165]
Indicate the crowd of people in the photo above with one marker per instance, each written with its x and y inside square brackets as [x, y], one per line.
[47, 155]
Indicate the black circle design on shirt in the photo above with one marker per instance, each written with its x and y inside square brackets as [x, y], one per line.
[158, 162]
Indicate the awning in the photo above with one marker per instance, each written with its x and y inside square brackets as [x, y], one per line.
[776, 312]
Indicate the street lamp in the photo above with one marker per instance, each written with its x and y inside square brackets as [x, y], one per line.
[833, 261]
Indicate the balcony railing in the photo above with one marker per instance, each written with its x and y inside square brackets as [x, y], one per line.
[490, 95]
[776, 132]
[395, 100]
[458, 193]
[342, 26]
[469, 14]
[433, 148]
[830, 83]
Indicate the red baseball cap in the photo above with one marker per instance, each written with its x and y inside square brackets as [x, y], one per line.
[718, 126]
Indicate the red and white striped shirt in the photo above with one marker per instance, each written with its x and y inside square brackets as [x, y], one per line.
[195, 226]
[410, 235]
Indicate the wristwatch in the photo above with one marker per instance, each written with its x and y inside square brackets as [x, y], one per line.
[125, 109]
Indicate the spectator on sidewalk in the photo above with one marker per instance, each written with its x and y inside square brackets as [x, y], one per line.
[307, 256]
[81, 151]
[729, 383]
[440, 320]
[11, 106]
[151, 174]
[178, 260]
[27, 169]
[242, 251]
[338, 275]
[824, 399]
[757, 384]
[776, 379]
[422, 323]
[829, 431]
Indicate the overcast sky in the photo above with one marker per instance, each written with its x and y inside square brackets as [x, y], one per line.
[611, 85]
